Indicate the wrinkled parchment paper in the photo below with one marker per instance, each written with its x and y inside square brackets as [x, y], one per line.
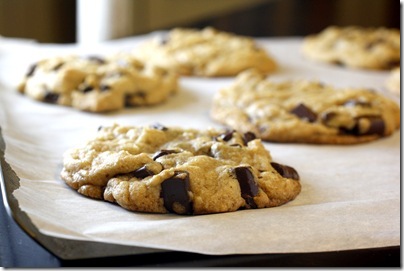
[350, 196]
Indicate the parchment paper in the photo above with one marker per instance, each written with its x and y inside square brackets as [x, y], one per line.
[350, 196]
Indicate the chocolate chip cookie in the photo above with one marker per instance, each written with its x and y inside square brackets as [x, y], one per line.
[162, 169]
[356, 47]
[98, 84]
[304, 111]
[206, 52]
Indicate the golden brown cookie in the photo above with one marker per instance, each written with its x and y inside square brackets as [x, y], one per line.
[206, 52]
[356, 47]
[161, 169]
[304, 111]
[98, 84]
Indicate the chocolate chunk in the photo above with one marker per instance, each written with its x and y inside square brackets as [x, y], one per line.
[142, 172]
[374, 125]
[58, 66]
[304, 112]
[248, 185]
[248, 137]
[97, 59]
[86, 89]
[327, 117]
[377, 126]
[162, 153]
[226, 136]
[51, 97]
[175, 191]
[393, 64]
[158, 126]
[31, 70]
[285, 171]
[129, 97]
[105, 87]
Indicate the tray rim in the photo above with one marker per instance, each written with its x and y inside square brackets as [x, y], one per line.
[66, 249]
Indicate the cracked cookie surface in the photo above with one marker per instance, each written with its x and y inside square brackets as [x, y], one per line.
[304, 111]
[207, 52]
[98, 84]
[185, 171]
[356, 47]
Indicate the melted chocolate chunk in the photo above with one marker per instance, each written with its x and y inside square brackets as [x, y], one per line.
[105, 87]
[226, 136]
[248, 185]
[86, 89]
[248, 137]
[304, 112]
[51, 97]
[162, 153]
[176, 190]
[96, 59]
[31, 70]
[142, 172]
[285, 171]
[376, 126]
[129, 97]
[328, 116]
[58, 66]
[158, 126]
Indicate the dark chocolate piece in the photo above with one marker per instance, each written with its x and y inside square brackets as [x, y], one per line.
[31, 70]
[176, 190]
[304, 112]
[105, 87]
[86, 89]
[142, 172]
[97, 59]
[377, 126]
[58, 66]
[328, 116]
[51, 97]
[248, 137]
[285, 171]
[248, 185]
[159, 126]
[162, 153]
[226, 136]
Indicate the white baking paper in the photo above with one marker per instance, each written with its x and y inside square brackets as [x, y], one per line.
[350, 196]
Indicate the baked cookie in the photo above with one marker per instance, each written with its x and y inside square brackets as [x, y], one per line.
[356, 47]
[304, 111]
[162, 169]
[393, 81]
[98, 84]
[206, 52]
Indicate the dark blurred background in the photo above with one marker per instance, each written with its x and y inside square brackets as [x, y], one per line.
[55, 21]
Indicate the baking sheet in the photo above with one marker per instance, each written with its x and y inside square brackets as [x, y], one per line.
[350, 195]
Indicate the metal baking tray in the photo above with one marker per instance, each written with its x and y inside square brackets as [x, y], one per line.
[66, 249]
